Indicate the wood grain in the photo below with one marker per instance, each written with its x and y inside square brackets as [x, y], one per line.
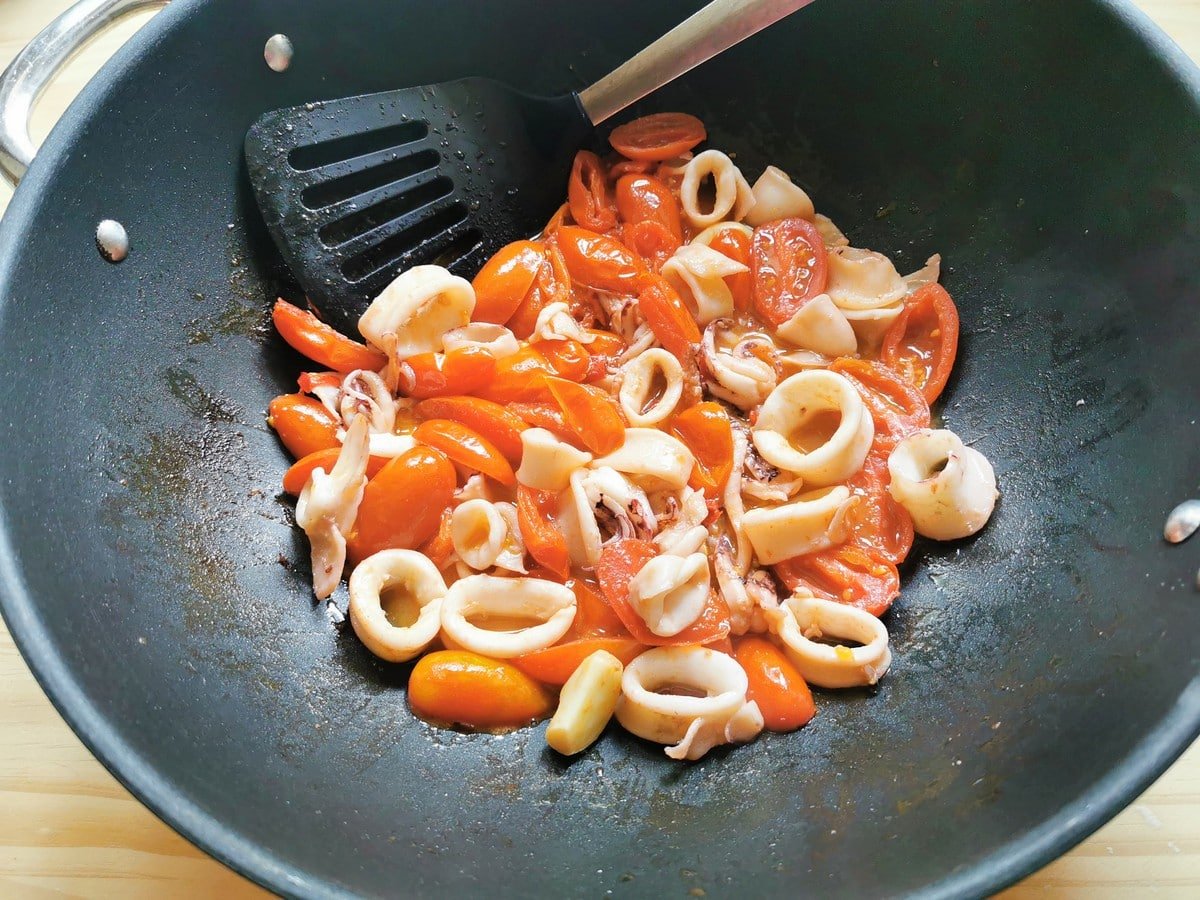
[68, 829]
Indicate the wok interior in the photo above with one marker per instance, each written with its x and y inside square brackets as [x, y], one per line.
[1039, 148]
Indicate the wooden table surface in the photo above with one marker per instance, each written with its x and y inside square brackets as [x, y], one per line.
[68, 829]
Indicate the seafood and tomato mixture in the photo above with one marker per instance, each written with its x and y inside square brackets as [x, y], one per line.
[658, 464]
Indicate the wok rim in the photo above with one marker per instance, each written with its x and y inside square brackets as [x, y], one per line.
[1004, 866]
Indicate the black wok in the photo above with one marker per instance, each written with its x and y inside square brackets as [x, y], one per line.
[1045, 672]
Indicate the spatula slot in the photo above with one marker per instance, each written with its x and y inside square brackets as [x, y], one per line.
[458, 249]
[322, 153]
[395, 207]
[404, 244]
[327, 193]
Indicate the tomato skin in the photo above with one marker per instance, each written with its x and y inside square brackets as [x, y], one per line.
[296, 477]
[567, 358]
[303, 424]
[780, 691]
[556, 664]
[651, 242]
[308, 335]
[588, 194]
[504, 281]
[466, 447]
[594, 617]
[643, 198]
[789, 265]
[922, 343]
[440, 547]
[896, 405]
[705, 429]
[619, 562]
[590, 413]
[493, 421]
[657, 137]
[877, 523]
[402, 504]
[455, 687]
[543, 539]
[598, 261]
[457, 371]
[846, 574]
[668, 317]
[518, 378]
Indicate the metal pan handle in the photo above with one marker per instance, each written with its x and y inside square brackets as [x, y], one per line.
[35, 66]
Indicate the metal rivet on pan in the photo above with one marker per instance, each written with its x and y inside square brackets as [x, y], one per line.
[112, 241]
[278, 52]
[1182, 522]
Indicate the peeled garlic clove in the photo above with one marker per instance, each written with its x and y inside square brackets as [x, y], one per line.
[478, 532]
[586, 703]
[506, 603]
[547, 462]
[948, 488]
[863, 279]
[698, 273]
[651, 387]
[405, 571]
[734, 197]
[652, 458]
[793, 427]
[810, 523]
[416, 310]
[801, 619]
[776, 197]
[820, 326]
[670, 592]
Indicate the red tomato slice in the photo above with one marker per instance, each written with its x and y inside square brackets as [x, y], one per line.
[790, 267]
[877, 522]
[658, 137]
[846, 575]
[780, 691]
[896, 405]
[922, 343]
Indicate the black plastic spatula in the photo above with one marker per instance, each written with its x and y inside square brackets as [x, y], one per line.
[354, 191]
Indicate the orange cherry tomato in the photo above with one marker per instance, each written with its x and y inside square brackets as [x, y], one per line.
[457, 371]
[735, 243]
[599, 261]
[543, 538]
[651, 242]
[780, 691]
[518, 378]
[402, 504]
[619, 165]
[877, 523]
[593, 615]
[619, 562]
[296, 477]
[569, 359]
[588, 195]
[466, 447]
[790, 267]
[604, 343]
[590, 413]
[440, 547]
[552, 285]
[505, 279]
[307, 334]
[454, 687]
[556, 664]
[846, 574]
[896, 405]
[669, 318]
[545, 414]
[659, 136]
[499, 426]
[303, 424]
[705, 429]
[643, 198]
[922, 343]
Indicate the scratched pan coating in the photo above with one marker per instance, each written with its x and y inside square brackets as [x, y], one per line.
[1045, 671]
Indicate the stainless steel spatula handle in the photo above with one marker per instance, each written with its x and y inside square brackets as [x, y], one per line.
[711, 30]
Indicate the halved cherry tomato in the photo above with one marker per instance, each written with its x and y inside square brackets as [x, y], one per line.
[303, 424]
[876, 522]
[296, 477]
[619, 165]
[505, 279]
[845, 574]
[551, 285]
[643, 198]
[588, 194]
[556, 664]
[922, 343]
[454, 687]
[790, 267]
[517, 378]
[705, 429]
[780, 691]
[457, 371]
[309, 382]
[545, 414]
[735, 243]
[593, 616]
[590, 413]
[440, 547]
[307, 334]
[493, 421]
[543, 539]
[659, 136]
[669, 318]
[896, 405]
[466, 447]
[598, 261]
[619, 562]
[569, 359]
[651, 241]
[402, 504]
